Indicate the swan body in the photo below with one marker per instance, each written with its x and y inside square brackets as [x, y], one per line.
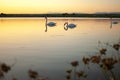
[51, 24]
[71, 25]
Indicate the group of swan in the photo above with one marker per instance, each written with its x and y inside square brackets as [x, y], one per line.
[66, 25]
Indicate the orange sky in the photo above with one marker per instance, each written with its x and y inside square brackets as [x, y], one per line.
[58, 6]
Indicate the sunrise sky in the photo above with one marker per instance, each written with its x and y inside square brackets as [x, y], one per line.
[59, 6]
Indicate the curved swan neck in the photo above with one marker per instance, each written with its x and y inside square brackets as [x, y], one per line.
[66, 25]
[46, 18]
[46, 23]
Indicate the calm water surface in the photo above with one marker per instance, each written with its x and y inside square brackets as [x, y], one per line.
[25, 41]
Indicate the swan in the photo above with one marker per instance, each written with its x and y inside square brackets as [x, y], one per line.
[51, 24]
[71, 26]
[114, 22]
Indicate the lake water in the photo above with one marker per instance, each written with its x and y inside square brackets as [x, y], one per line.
[24, 41]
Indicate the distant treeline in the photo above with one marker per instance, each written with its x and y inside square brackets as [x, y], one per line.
[63, 15]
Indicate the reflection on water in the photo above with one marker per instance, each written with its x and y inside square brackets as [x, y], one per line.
[50, 53]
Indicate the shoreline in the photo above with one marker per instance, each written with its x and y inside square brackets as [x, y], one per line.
[2, 15]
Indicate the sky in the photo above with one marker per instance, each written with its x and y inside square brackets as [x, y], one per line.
[59, 6]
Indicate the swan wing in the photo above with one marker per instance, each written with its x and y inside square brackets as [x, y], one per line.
[51, 24]
[71, 25]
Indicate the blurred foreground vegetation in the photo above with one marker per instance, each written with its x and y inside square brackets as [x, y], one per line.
[104, 60]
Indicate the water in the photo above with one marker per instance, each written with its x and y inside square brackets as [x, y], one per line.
[24, 41]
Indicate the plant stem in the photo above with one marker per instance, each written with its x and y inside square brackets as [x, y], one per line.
[75, 73]
[103, 73]
[113, 76]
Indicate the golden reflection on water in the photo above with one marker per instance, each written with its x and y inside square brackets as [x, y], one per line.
[20, 31]
[32, 31]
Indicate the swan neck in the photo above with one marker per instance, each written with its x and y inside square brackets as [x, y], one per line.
[66, 26]
[46, 20]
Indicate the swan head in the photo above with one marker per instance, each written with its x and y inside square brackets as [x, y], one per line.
[66, 23]
[46, 30]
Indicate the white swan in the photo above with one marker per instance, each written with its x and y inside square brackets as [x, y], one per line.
[114, 22]
[71, 26]
[51, 24]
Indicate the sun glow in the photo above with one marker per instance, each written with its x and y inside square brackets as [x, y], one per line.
[57, 6]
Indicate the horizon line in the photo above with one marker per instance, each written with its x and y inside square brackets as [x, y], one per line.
[67, 13]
